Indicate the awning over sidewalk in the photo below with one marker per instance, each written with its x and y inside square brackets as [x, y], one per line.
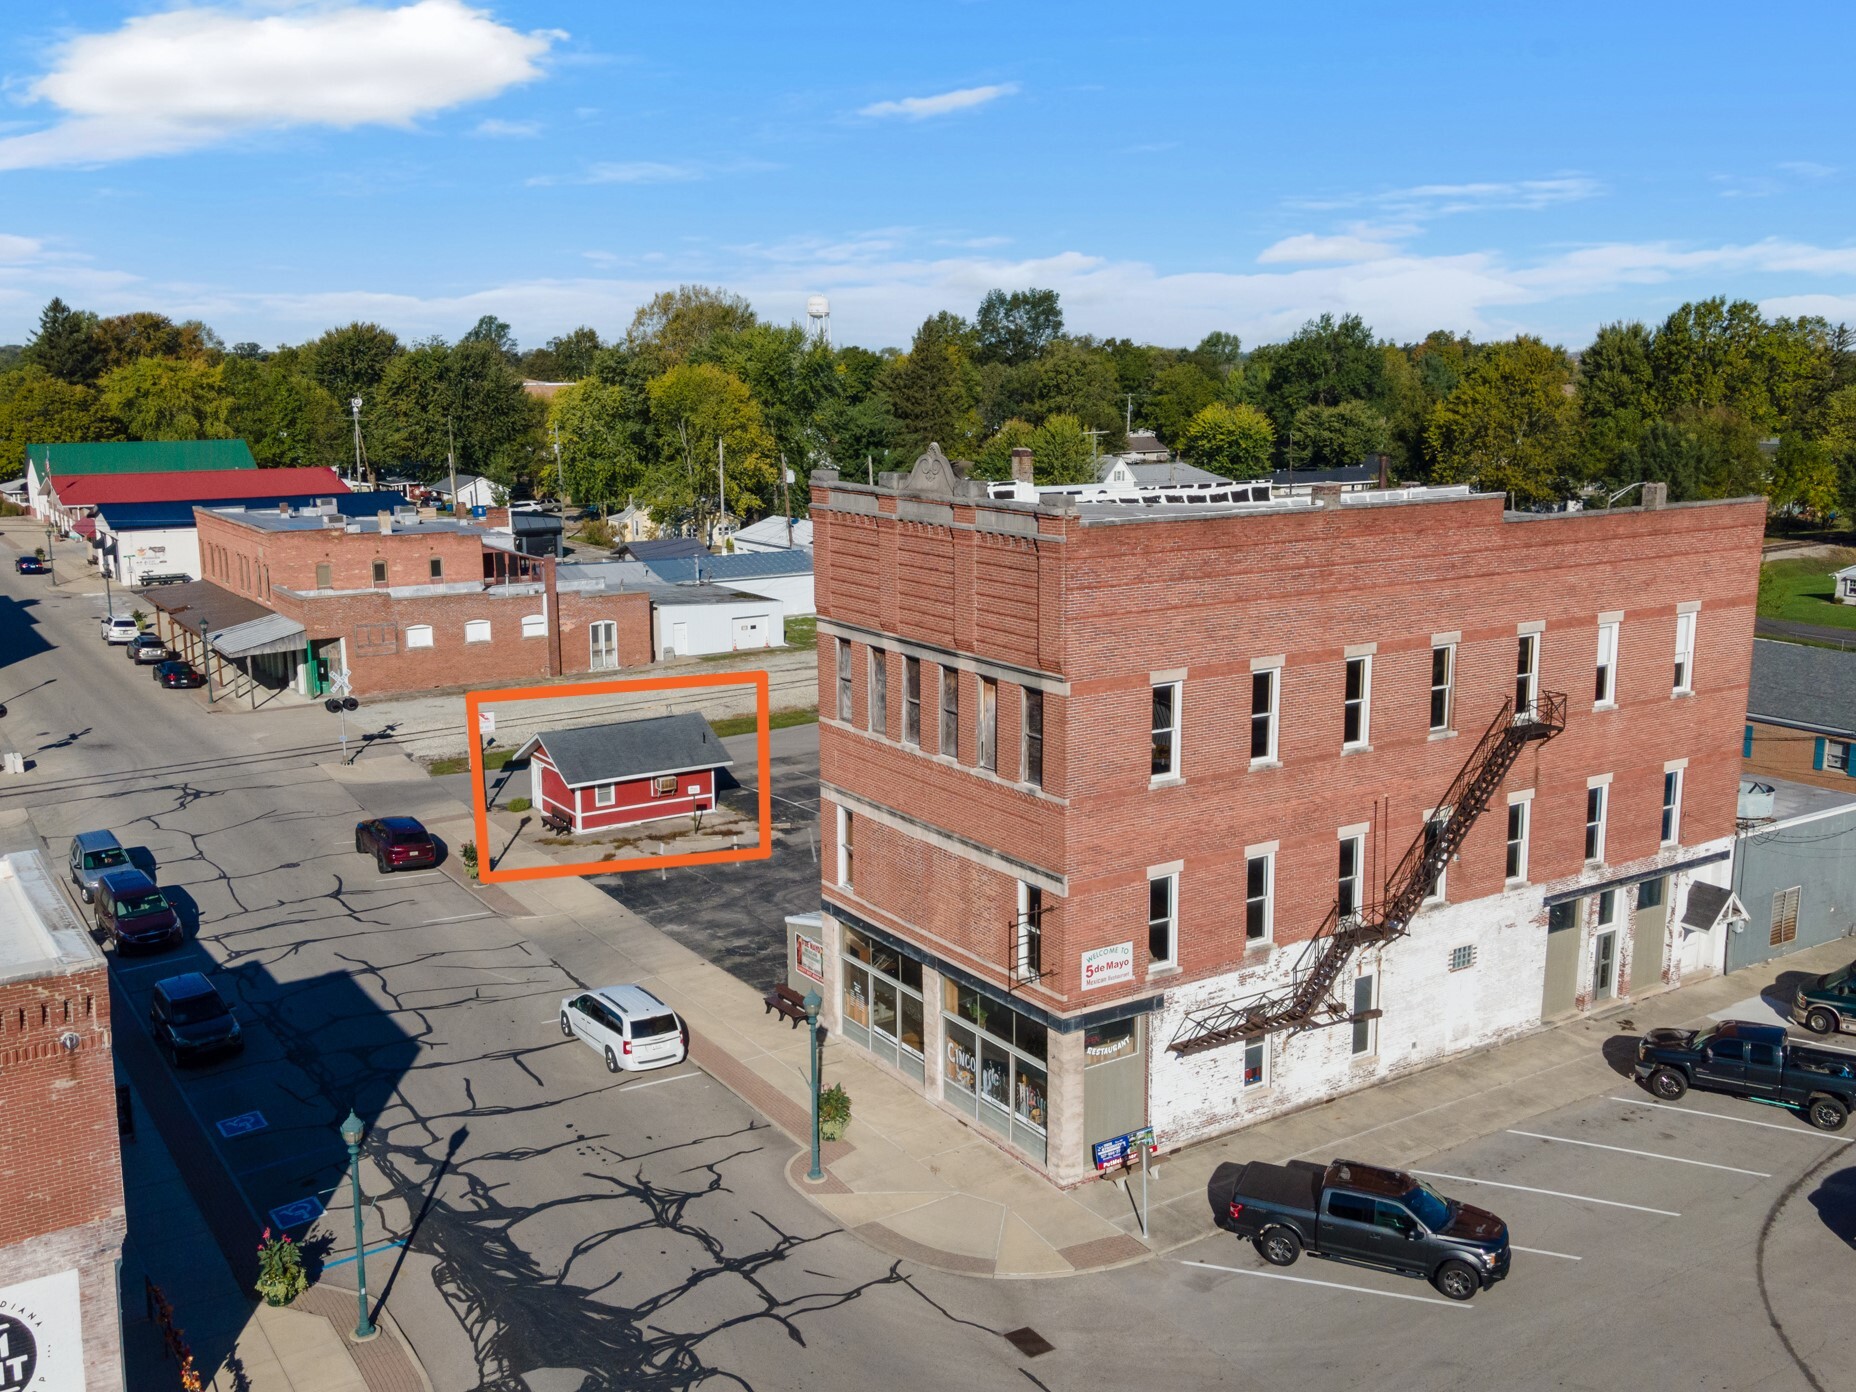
[271, 634]
[201, 607]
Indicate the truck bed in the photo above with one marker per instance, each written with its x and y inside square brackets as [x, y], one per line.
[1295, 1186]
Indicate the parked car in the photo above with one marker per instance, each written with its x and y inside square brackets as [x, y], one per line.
[628, 1026]
[174, 672]
[396, 843]
[133, 912]
[1828, 1004]
[120, 628]
[30, 565]
[525, 505]
[1373, 1216]
[190, 1019]
[93, 855]
[146, 648]
[1750, 1060]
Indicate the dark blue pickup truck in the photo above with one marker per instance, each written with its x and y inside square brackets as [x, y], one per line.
[1372, 1216]
[1751, 1060]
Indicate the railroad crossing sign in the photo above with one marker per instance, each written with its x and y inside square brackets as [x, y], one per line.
[339, 681]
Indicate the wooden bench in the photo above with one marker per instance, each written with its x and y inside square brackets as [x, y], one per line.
[556, 824]
[179, 578]
[786, 1001]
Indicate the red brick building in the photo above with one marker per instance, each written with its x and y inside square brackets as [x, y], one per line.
[1145, 759]
[597, 777]
[291, 597]
[62, 1218]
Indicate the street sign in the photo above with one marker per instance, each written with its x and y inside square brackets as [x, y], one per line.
[339, 681]
[486, 723]
[1119, 1150]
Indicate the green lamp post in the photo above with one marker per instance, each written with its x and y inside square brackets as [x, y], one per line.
[816, 1033]
[353, 1130]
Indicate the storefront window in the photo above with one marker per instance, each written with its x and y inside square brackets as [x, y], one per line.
[883, 1007]
[961, 1071]
[857, 997]
[1031, 1037]
[995, 1084]
[1113, 1040]
[1011, 1091]
[856, 945]
[911, 1034]
[1028, 1095]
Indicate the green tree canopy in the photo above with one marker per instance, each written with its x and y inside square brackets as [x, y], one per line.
[1336, 437]
[1180, 392]
[495, 332]
[66, 345]
[1235, 441]
[38, 408]
[693, 407]
[1509, 425]
[1016, 328]
[352, 360]
[283, 414]
[434, 395]
[601, 428]
[932, 391]
[675, 324]
[168, 399]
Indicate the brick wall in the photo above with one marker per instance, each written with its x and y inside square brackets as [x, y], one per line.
[251, 561]
[1103, 607]
[1779, 752]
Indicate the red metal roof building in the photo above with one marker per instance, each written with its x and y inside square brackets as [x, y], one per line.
[74, 491]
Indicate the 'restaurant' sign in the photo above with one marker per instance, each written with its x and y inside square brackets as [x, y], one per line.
[41, 1336]
[1106, 966]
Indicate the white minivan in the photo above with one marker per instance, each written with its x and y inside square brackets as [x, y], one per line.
[631, 1028]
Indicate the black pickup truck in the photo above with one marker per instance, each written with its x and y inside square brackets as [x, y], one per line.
[1372, 1216]
[1750, 1060]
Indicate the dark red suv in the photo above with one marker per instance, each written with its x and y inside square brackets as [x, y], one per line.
[396, 843]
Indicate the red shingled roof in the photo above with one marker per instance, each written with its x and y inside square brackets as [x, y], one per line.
[196, 485]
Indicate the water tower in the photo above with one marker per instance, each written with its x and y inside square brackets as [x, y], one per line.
[818, 318]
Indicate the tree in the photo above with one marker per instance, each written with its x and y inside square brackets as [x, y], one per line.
[38, 408]
[283, 414]
[352, 361]
[435, 398]
[1234, 441]
[933, 390]
[674, 324]
[1336, 437]
[1706, 355]
[1018, 327]
[1180, 392]
[1071, 379]
[565, 358]
[493, 331]
[1804, 477]
[601, 428]
[693, 407]
[1061, 453]
[1508, 425]
[66, 344]
[1839, 441]
[1219, 354]
[126, 338]
[1328, 361]
[168, 399]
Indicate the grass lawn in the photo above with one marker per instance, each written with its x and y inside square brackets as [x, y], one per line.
[776, 720]
[801, 632]
[1801, 590]
[494, 759]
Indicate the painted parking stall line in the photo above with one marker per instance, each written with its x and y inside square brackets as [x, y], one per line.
[1799, 1131]
[1550, 1193]
[1542, 1252]
[1641, 1154]
[1332, 1285]
[659, 1082]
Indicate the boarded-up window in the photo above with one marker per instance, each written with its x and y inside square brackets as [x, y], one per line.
[376, 638]
[1784, 916]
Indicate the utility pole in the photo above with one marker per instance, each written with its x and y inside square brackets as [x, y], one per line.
[721, 486]
[560, 485]
[451, 462]
[360, 454]
[1094, 440]
[870, 469]
[1130, 429]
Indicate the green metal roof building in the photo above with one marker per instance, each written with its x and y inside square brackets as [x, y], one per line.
[138, 457]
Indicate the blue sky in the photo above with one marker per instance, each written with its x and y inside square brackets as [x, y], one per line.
[276, 166]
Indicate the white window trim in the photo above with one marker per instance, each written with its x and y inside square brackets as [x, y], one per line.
[876, 713]
[475, 625]
[1021, 947]
[1601, 924]
[1358, 842]
[1685, 651]
[1611, 630]
[1526, 804]
[1176, 773]
[1271, 756]
[605, 795]
[1440, 890]
[1674, 809]
[1365, 741]
[1171, 875]
[417, 632]
[534, 625]
[1600, 784]
[1263, 1073]
[844, 698]
[1372, 1026]
[845, 852]
[1266, 854]
[1449, 687]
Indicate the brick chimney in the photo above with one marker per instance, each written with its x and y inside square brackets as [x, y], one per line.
[1384, 461]
[1325, 495]
[1021, 465]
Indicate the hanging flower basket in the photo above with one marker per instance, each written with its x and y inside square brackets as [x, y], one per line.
[834, 1113]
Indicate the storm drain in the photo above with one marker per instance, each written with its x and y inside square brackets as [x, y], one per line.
[1029, 1342]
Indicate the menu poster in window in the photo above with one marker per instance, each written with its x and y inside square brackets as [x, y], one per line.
[41, 1336]
[1106, 966]
[809, 957]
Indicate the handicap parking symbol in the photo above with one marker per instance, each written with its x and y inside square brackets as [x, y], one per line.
[299, 1214]
[242, 1125]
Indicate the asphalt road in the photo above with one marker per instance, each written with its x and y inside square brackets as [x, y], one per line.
[569, 1232]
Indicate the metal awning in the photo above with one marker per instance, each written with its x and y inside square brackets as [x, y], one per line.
[271, 634]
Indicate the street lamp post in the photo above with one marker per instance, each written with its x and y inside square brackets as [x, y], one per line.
[51, 560]
[353, 1130]
[813, 1031]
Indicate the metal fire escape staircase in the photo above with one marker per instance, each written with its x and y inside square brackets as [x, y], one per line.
[1310, 1003]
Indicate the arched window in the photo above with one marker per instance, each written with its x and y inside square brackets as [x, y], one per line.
[418, 635]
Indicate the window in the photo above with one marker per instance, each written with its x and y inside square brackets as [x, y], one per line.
[664, 785]
[1350, 1208]
[950, 713]
[1516, 865]
[1356, 703]
[1443, 677]
[605, 795]
[1351, 848]
[1784, 917]
[878, 712]
[988, 731]
[1166, 730]
[1463, 958]
[1033, 727]
[1162, 920]
[1837, 756]
[602, 645]
[1607, 908]
[1434, 825]
[534, 625]
[1256, 1062]
[477, 631]
[1030, 944]
[1364, 1035]
[1263, 691]
[1526, 674]
[1672, 807]
[418, 635]
[1595, 823]
[846, 830]
[438, 567]
[844, 679]
[1650, 894]
[1605, 683]
[380, 572]
[1685, 655]
[325, 576]
[912, 701]
[1259, 874]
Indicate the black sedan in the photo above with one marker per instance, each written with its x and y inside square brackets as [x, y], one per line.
[148, 647]
[396, 843]
[190, 1019]
[30, 565]
[179, 674]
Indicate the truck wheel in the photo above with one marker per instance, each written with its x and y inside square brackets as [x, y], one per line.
[1668, 1084]
[1826, 1113]
[1821, 1022]
[1457, 1280]
[1279, 1246]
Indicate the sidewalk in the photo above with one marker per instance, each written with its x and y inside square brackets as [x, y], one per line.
[920, 1183]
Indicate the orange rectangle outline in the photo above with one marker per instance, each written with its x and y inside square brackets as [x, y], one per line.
[474, 701]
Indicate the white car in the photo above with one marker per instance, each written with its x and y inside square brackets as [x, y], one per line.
[628, 1026]
[525, 505]
[120, 628]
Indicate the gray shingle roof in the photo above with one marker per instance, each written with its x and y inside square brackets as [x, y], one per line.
[631, 749]
[662, 547]
[681, 570]
[1812, 688]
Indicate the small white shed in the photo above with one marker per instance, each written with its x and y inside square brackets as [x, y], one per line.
[711, 622]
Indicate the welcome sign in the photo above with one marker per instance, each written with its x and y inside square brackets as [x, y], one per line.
[1107, 965]
[41, 1336]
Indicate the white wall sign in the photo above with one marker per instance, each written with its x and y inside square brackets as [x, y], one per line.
[41, 1336]
[1107, 965]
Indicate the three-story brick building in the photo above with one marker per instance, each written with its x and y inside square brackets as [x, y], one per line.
[1100, 781]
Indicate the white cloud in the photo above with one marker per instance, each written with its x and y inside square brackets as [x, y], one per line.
[495, 129]
[1808, 169]
[919, 108]
[1423, 202]
[1307, 248]
[195, 76]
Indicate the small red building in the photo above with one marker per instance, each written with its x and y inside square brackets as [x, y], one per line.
[602, 776]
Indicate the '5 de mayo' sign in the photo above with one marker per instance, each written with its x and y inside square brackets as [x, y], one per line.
[1107, 965]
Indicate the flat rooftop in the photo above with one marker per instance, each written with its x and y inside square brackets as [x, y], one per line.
[40, 935]
[271, 520]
